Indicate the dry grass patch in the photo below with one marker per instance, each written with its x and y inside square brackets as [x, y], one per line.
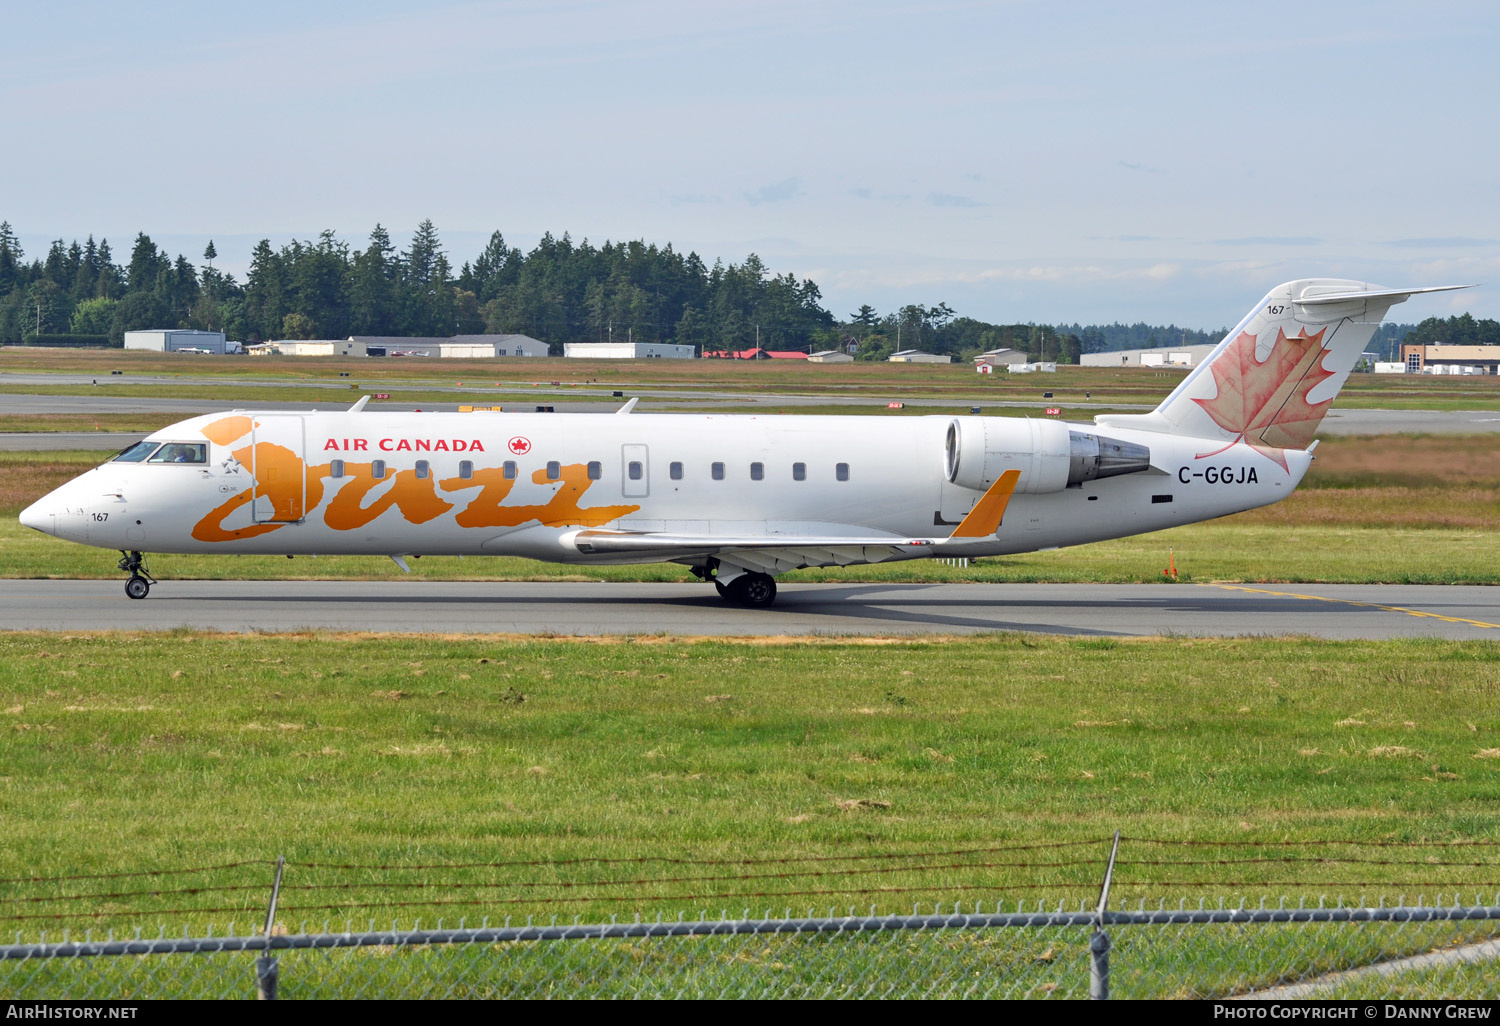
[860, 804]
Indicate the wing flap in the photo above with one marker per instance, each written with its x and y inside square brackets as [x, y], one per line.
[620, 543]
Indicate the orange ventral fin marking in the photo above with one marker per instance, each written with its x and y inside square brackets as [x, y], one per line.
[228, 429]
[416, 498]
[1265, 404]
[984, 519]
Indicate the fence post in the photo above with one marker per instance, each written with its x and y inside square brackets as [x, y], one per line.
[267, 970]
[1099, 940]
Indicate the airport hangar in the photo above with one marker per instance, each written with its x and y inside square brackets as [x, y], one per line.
[455, 346]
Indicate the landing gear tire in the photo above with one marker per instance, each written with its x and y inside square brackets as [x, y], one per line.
[139, 584]
[754, 590]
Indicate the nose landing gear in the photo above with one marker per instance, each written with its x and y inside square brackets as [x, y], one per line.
[139, 584]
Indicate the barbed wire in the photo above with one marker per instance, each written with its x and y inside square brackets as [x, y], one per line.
[1325, 861]
[397, 885]
[1291, 844]
[377, 893]
[641, 859]
[137, 873]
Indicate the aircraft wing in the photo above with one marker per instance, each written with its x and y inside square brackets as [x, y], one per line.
[768, 553]
[775, 552]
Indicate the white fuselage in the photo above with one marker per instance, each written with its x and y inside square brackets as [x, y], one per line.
[479, 484]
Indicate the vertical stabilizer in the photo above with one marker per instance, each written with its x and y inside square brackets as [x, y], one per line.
[1272, 379]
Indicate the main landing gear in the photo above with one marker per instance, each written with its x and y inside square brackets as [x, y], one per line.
[139, 584]
[755, 590]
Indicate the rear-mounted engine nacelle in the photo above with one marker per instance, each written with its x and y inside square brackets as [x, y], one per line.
[1048, 454]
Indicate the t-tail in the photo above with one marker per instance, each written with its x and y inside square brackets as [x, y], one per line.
[1270, 381]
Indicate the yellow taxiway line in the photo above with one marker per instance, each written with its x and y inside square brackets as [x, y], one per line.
[1353, 602]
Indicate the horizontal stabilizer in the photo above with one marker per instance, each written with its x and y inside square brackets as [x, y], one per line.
[1395, 295]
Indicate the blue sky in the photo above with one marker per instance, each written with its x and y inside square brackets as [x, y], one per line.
[1053, 162]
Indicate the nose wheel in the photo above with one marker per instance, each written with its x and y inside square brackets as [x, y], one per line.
[138, 586]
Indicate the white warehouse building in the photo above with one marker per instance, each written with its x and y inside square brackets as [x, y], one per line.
[628, 351]
[172, 340]
[1167, 356]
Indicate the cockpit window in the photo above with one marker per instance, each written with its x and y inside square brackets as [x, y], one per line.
[136, 453]
[181, 452]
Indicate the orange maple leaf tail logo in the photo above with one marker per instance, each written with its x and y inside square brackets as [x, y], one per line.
[1264, 403]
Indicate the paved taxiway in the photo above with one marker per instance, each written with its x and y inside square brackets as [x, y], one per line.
[1338, 422]
[1325, 611]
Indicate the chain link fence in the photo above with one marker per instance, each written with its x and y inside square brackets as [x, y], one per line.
[1410, 951]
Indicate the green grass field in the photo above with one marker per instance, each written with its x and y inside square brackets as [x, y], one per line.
[161, 751]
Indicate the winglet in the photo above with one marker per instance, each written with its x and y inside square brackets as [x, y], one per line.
[984, 519]
[364, 401]
[630, 405]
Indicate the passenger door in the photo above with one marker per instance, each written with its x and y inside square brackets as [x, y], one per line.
[278, 468]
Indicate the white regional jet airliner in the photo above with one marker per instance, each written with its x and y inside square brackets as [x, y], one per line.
[739, 499]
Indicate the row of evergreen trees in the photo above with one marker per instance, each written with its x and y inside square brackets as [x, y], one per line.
[559, 292]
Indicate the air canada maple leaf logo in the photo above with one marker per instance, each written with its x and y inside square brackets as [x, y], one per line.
[1265, 404]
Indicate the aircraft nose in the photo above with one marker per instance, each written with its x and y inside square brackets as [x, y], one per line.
[39, 517]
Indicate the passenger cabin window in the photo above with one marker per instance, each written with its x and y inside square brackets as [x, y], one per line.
[336, 469]
[596, 470]
[674, 471]
[717, 471]
[554, 470]
[136, 453]
[757, 471]
[466, 469]
[799, 471]
[181, 452]
[841, 471]
[510, 470]
[424, 470]
[636, 470]
[377, 470]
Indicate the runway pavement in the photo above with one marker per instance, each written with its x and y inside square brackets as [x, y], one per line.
[565, 608]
